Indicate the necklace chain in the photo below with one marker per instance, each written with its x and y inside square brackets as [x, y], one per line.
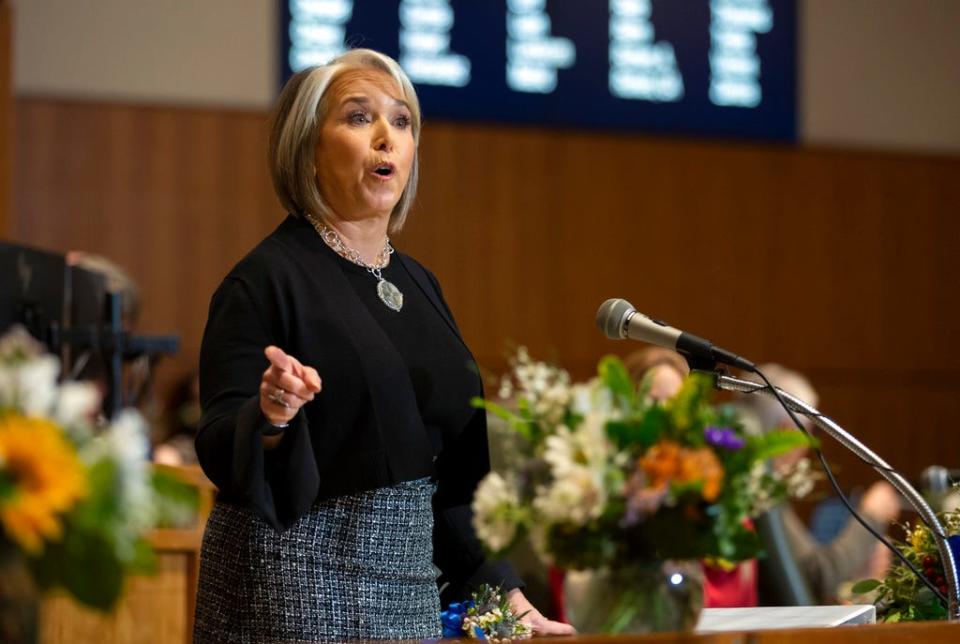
[388, 292]
[334, 241]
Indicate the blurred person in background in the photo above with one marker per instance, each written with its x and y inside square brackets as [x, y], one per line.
[853, 553]
[92, 364]
[179, 423]
[661, 370]
[117, 280]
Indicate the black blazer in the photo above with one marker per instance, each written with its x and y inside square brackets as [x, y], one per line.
[363, 431]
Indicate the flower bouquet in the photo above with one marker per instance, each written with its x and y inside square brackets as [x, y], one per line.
[606, 480]
[901, 596]
[486, 616]
[75, 497]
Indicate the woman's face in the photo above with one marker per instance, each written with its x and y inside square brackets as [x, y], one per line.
[665, 381]
[365, 149]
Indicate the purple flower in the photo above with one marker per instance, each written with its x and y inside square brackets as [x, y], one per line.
[723, 437]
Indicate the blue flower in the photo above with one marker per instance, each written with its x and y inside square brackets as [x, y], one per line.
[478, 633]
[452, 618]
[723, 437]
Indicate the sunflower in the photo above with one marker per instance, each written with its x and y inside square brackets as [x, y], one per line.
[42, 478]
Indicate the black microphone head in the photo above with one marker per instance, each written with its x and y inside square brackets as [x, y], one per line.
[611, 316]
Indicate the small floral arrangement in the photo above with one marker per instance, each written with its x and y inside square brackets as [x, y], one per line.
[603, 476]
[901, 596]
[486, 616]
[75, 498]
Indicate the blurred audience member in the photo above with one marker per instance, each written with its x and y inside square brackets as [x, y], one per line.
[181, 418]
[661, 370]
[117, 281]
[854, 553]
[91, 364]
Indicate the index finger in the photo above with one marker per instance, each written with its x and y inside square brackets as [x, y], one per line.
[279, 359]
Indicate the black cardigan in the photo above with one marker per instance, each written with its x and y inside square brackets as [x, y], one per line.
[363, 431]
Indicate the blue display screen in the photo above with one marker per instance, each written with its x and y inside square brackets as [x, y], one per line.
[723, 68]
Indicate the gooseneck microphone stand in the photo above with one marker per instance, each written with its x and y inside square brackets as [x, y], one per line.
[729, 383]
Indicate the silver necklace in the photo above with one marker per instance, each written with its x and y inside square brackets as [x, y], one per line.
[388, 292]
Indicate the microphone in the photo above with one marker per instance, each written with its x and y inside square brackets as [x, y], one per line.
[618, 320]
[938, 479]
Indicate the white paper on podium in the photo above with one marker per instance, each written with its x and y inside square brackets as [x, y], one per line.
[779, 617]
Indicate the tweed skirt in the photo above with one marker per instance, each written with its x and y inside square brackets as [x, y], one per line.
[358, 567]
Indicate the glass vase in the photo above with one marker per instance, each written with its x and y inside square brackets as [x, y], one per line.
[643, 597]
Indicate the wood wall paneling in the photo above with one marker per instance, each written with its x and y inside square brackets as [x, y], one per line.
[6, 114]
[839, 264]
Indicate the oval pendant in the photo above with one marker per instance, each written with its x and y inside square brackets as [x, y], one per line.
[390, 295]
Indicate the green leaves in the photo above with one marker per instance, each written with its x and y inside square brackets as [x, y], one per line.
[176, 501]
[901, 596]
[690, 411]
[776, 443]
[865, 586]
[637, 433]
[522, 426]
[85, 564]
[617, 379]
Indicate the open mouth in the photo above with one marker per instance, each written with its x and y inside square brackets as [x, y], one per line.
[385, 170]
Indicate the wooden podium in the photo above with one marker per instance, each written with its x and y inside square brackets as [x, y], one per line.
[159, 609]
[919, 633]
[153, 609]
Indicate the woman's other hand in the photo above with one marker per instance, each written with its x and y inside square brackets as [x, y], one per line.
[286, 386]
[542, 627]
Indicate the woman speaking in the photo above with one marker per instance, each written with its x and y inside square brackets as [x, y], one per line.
[335, 389]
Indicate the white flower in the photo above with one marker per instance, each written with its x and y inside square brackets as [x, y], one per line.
[574, 498]
[758, 492]
[76, 404]
[506, 388]
[494, 511]
[31, 385]
[587, 445]
[125, 443]
[579, 461]
[592, 397]
[801, 479]
[545, 388]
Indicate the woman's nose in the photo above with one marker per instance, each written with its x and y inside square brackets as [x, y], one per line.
[382, 141]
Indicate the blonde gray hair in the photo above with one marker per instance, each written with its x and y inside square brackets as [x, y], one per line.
[297, 117]
[769, 411]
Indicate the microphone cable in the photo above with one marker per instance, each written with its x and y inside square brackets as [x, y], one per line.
[843, 497]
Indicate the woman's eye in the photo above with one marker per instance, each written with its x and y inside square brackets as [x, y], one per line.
[358, 118]
[402, 122]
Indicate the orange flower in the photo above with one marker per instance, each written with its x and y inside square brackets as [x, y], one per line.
[667, 461]
[702, 465]
[661, 462]
[45, 476]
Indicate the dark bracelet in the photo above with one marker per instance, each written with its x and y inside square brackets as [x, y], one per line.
[269, 429]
